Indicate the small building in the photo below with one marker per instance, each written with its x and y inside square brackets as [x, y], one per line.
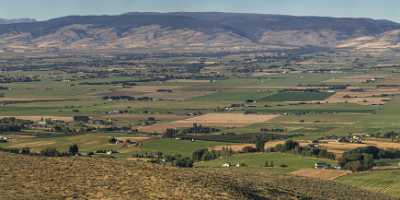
[3, 139]
[321, 165]
[227, 165]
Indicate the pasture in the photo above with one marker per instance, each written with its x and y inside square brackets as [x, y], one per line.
[283, 163]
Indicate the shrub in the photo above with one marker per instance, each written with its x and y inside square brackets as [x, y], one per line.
[50, 152]
[73, 149]
[185, 162]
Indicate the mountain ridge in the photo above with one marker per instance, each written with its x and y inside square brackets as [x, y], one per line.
[191, 30]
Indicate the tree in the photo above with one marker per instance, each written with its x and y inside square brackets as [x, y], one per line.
[170, 133]
[50, 152]
[112, 140]
[184, 162]
[198, 154]
[73, 149]
[26, 151]
[260, 143]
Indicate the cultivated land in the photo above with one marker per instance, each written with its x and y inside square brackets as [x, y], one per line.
[127, 109]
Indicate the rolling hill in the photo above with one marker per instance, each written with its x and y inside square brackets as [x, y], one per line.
[197, 31]
[25, 177]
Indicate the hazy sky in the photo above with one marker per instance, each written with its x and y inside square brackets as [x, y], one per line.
[45, 9]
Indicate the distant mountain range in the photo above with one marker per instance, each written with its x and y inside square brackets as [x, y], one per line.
[199, 32]
[11, 21]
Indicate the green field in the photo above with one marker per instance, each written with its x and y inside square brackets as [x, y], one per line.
[257, 160]
[173, 146]
[298, 96]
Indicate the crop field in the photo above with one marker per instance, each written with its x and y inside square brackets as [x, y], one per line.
[212, 119]
[298, 96]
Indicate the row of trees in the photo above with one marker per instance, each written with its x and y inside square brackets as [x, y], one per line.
[11, 124]
[310, 150]
[49, 152]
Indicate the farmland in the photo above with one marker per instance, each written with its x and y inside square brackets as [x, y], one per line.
[163, 114]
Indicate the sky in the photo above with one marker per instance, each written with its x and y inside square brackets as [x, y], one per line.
[46, 9]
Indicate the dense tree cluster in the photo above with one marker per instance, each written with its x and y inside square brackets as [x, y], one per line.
[205, 155]
[11, 124]
[362, 158]
[310, 150]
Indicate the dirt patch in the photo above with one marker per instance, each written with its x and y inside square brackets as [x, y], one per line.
[323, 174]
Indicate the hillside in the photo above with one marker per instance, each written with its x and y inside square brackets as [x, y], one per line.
[95, 178]
[189, 32]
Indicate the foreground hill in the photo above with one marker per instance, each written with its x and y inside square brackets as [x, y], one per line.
[93, 178]
[189, 32]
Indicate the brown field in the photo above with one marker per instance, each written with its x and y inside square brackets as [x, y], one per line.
[323, 174]
[40, 117]
[239, 147]
[32, 144]
[368, 97]
[137, 139]
[353, 79]
[144, 117]
[234, 147]
[212, 119]
[339, 148]
[228, 119]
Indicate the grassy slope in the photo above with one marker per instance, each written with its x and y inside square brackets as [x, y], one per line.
[89, 178]
[379, 181]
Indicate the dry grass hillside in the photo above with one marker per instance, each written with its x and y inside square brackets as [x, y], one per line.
[93, 178]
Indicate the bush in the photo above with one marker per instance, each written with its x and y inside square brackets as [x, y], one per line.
[248, 149]
[185, 162]
[25, 151]
[50, 152]
[73, 149]
[283, 166]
